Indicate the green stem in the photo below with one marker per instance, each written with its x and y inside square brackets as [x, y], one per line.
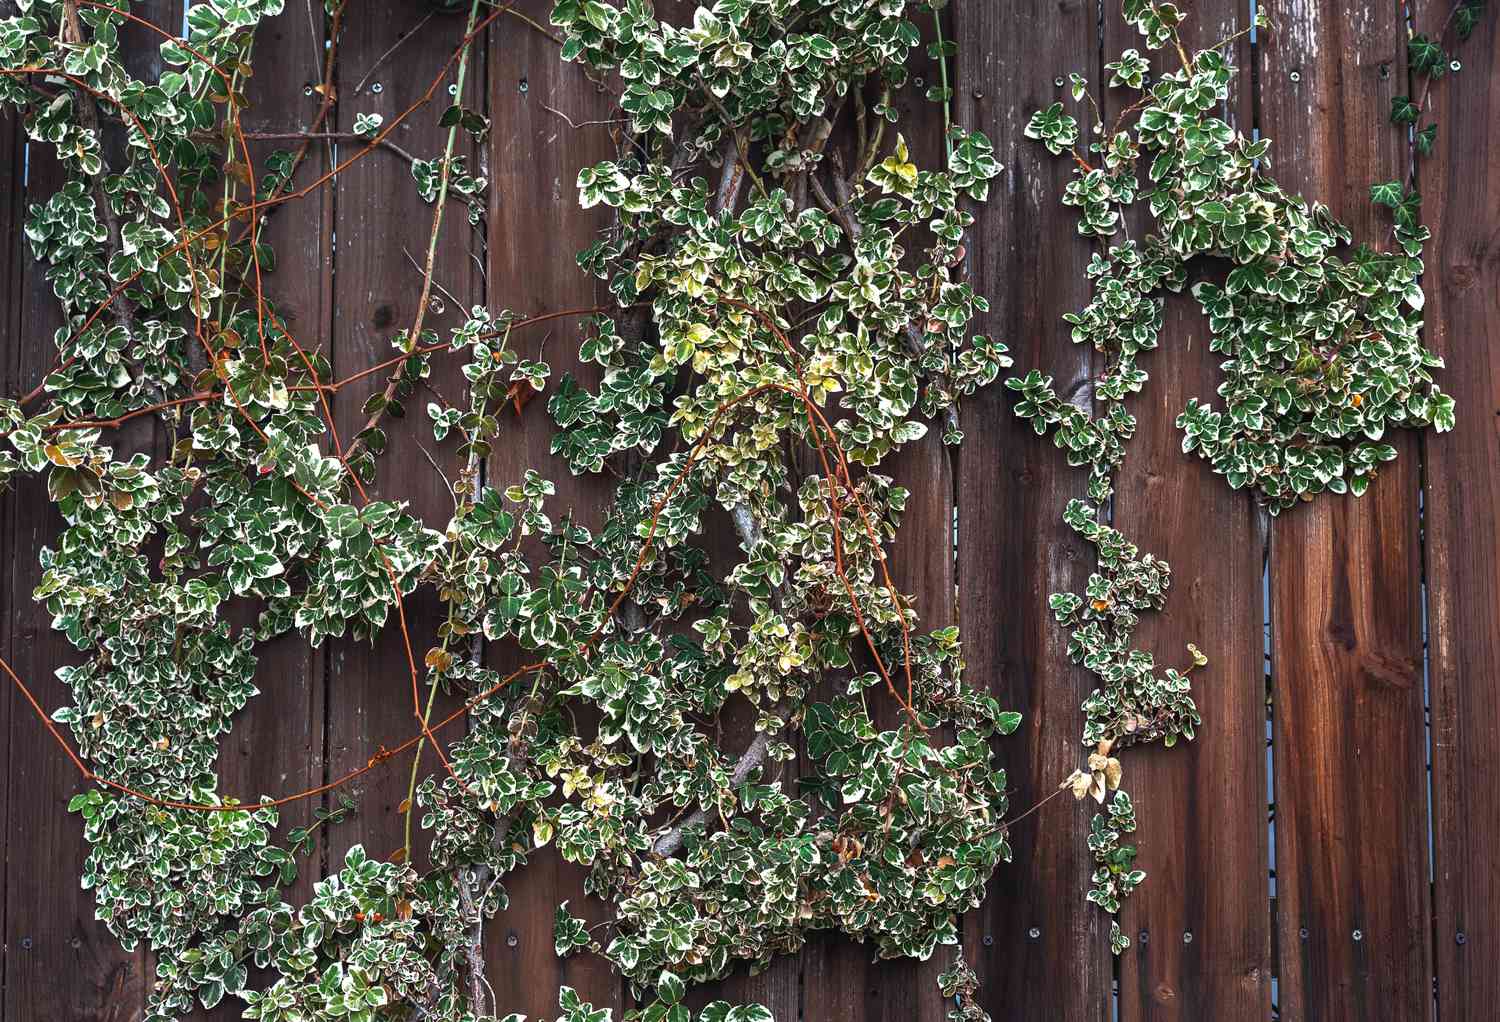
[937, 21]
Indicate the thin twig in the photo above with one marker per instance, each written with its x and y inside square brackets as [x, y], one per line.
[394, 47]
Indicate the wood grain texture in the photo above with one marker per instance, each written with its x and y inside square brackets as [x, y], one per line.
[276, 745]
[1013, 548]
[535, 231]
[837, 972]
[1201, 805]
[1460, 185]
[60, 961]
[381, 233]
[12, 262]
[50, 930]
[1351, 817]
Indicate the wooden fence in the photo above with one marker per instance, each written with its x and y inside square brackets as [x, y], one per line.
[1355, 645]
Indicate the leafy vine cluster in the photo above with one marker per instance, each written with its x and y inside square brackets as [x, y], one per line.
[1323, 356]
[788, 308]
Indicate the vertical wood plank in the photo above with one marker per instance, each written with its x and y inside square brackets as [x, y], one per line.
[1351, 841]
[50, 930]
[535, 231]
[381, 225]
[1014, 549]
[276, 745]
[1202, 836]
[1460, 184]
[12, 259]
[843, 979]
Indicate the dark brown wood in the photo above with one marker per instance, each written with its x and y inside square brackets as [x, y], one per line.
[837, 972]
[276, 746]
[381, 233]
[13, 605]
[51, 931]
[1202, 837]
[1460, 185]
[1351, 838]
[534, 159]
[1044, 949]
[60, 962]
[1350, 780]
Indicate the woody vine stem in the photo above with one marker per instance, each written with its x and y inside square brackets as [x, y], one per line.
[763, 352]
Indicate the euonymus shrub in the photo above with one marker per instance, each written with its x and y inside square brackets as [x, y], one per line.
[1322, 359]
[783, 302]
[788, 309]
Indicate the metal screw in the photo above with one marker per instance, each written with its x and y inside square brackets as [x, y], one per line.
[918, 81]
[1302, 933]
[75, 943]
[1359, 934]
[453, 89]
[307, 90]
[511, 940]
[435, 305]
[1034, 932]
[1144, 937]
[978, 93]
[524, 86]
[1455, 66]
[1187, 936]
[1460, 937]
[1385, 71]
[26, 943]
[1058, 81]
[377, 88]
[989, 941]
[1295, 76]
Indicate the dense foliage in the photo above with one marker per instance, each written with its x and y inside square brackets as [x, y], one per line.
[787, 311]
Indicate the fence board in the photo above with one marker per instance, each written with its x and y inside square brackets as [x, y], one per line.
[380, 226]
[1461, 198]
[13, 603]
[12, 267]
[534, 159]
[1200, 926]
[1352, 892]
[1012, 487]
[51, 932]
[50, 926]
[276, 746]
[838, 973]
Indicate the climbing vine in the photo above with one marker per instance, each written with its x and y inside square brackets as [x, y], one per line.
[787, 309]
